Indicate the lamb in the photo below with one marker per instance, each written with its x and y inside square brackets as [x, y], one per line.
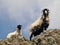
[40, 24]
[16, 33]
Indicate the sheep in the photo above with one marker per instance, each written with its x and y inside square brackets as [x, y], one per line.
[46, 19]
[15, 33]
[40, 24]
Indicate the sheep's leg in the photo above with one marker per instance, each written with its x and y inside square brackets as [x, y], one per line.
[45, 28]
[31, 34]
[30, 37]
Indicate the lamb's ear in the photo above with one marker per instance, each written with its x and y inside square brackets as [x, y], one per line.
[21, 25]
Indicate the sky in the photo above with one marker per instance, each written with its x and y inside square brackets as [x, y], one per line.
[25, 12]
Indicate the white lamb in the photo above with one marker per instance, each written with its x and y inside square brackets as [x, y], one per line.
[16, 33]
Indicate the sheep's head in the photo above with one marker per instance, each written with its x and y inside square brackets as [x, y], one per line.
[45, 12]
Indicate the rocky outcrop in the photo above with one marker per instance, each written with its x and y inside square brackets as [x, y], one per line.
[48, 37]
[19, 40]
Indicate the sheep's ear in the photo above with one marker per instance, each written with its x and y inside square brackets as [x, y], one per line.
[21, 25]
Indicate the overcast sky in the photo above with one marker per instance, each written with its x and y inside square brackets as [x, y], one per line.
[25, 12]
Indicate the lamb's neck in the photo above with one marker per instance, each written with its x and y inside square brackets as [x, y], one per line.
[18, 31]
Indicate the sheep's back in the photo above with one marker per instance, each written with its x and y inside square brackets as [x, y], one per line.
[36, 23]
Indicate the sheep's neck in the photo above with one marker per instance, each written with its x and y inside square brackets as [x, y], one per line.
[44, 19]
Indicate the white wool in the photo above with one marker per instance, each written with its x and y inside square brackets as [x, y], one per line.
[37, 22]
[13, 34]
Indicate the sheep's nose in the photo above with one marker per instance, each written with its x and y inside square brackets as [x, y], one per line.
[46, 12]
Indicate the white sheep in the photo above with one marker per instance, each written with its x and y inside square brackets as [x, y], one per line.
[40, 24]
[15, 33]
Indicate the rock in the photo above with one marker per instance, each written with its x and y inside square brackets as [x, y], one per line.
[19, 40]
[48, 37]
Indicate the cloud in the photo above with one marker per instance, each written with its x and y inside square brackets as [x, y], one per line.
[25, 10]
[55, 15]
[18, 11]
[53, 6]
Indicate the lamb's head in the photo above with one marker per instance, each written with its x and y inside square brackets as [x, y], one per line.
[46, 12]
[19, 27]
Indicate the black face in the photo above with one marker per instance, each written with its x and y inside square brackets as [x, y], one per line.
[45, 12]
[19, 26]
